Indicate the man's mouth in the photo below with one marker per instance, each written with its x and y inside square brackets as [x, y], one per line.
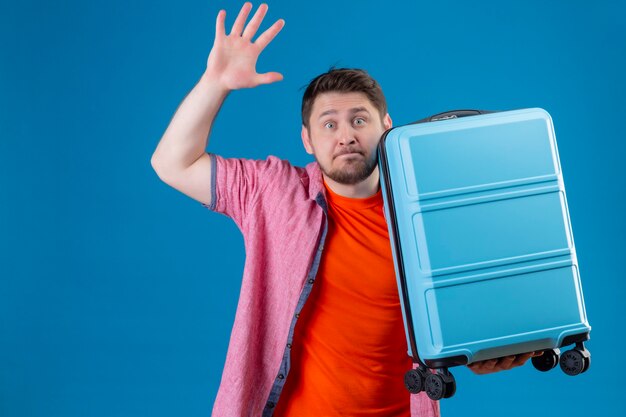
[349, 153]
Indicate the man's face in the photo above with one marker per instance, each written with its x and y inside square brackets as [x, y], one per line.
[344, 131]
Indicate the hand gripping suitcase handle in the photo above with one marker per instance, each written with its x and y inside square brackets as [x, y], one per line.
[453, 114]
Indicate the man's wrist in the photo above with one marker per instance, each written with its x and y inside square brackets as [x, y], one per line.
[212, 84]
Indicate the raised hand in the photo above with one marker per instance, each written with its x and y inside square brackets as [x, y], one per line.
[232, 61]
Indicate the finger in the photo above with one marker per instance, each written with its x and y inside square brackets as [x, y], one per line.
[521, 359]
[505, 362]
[490, 364]
[241, 19]
[255, 22]
[483, 367]
[267, 36]
[475, 367]
[269, 77]
[478, 369]
[219, 24]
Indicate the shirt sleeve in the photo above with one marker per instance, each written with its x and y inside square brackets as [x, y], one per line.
[236, 184]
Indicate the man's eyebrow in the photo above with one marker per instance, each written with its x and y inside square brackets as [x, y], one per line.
[327, 112]
[358, 110]
[352, 111]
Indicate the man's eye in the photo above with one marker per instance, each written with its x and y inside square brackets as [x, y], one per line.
[329, 125]
[359, 121]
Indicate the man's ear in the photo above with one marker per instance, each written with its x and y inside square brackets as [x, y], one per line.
[387, 122]
[306, 140]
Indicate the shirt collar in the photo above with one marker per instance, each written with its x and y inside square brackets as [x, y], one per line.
[312, 178]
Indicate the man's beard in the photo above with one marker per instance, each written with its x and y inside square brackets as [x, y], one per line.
[353, 171]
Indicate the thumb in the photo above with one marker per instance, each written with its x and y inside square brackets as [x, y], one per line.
[269, 77]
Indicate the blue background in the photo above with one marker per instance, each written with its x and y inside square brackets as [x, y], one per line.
[117, 293]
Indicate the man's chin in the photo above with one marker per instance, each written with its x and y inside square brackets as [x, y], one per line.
[350, 175]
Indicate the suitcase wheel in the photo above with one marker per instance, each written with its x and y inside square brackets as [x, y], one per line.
[440, 385]
[547, 361]
[414, 380]
[575, 361]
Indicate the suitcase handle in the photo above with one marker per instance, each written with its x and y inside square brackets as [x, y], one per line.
[453, 114]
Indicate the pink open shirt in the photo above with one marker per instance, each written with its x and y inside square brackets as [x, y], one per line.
[281, 211]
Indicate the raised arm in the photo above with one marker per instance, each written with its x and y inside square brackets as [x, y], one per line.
[180, 158]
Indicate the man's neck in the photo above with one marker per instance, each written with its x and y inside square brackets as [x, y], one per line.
[366, 188]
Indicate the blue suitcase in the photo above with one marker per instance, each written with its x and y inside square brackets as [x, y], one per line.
[482, 244]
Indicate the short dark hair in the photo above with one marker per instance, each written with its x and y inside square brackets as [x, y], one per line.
[343, 80]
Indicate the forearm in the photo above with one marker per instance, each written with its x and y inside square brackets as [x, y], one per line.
[186, 138]
[180, 158]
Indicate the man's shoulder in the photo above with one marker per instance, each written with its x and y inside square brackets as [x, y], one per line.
[311, 169]
[280, 163]
[308, 175]
[308, 179]
[280, 172]
[272, 165]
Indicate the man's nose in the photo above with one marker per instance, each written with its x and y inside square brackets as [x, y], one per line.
[346, 134]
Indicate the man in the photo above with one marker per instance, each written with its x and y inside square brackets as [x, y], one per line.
[318, 329]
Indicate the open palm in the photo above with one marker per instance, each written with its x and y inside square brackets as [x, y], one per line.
[233, 59]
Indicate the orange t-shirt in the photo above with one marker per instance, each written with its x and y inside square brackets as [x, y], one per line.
[349, 351]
